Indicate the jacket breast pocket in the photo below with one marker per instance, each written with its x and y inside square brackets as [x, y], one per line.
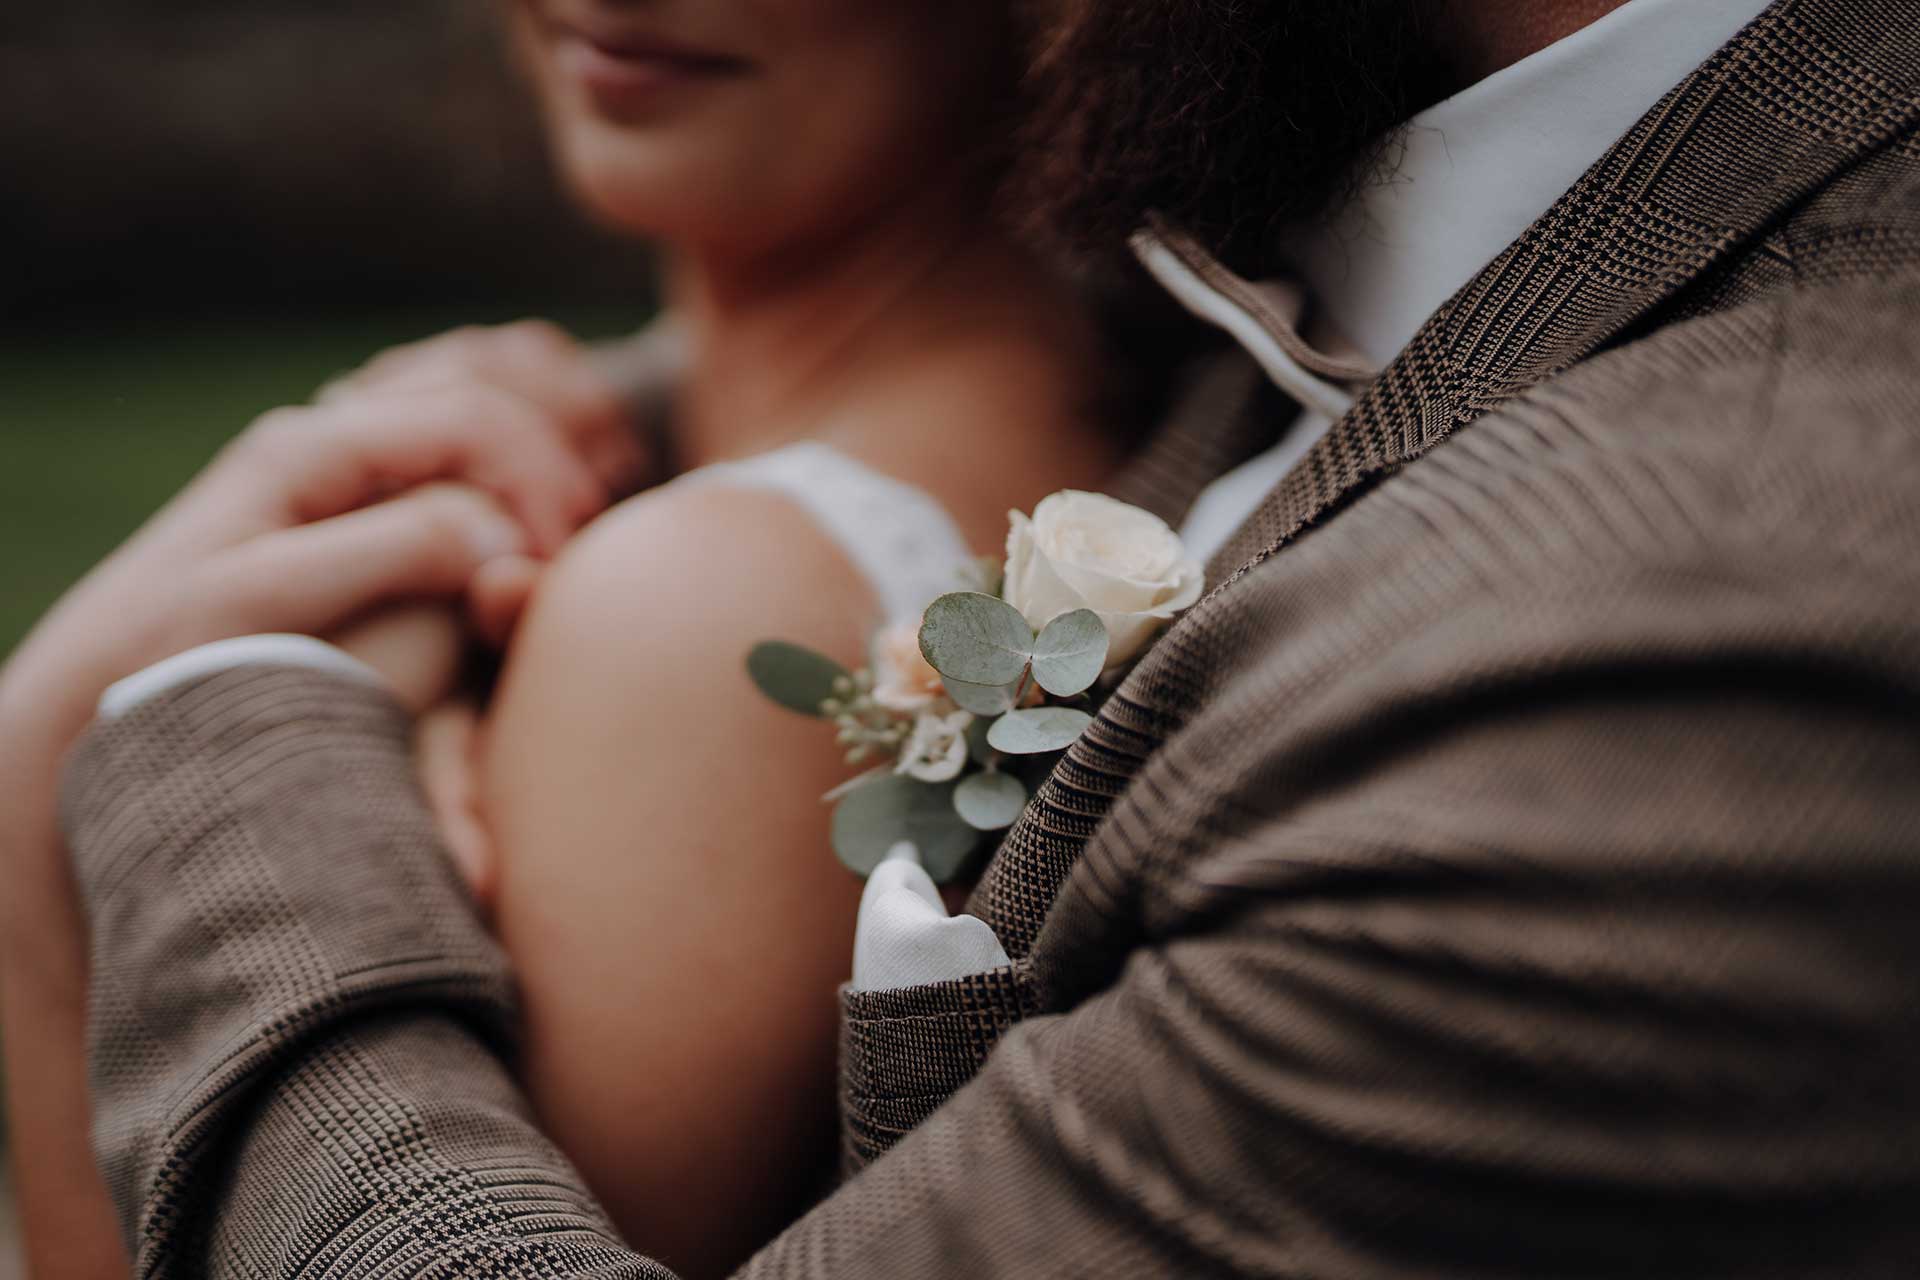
[905, 1051]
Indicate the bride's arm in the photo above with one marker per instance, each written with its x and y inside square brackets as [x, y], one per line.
[665, 890]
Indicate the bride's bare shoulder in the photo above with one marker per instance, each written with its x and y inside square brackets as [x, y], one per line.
[696, 574]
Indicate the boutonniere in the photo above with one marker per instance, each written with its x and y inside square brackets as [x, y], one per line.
[968, 707]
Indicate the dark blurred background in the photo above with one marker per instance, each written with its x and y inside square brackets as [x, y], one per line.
[208, 207]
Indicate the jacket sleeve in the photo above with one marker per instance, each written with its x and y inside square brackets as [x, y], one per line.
[298, 1026]
[1519, 997]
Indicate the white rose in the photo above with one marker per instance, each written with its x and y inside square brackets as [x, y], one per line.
[936, 751]
[902, 678]
[1087, 551]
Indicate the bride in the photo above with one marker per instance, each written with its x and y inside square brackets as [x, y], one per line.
[877, 373]
[873, 371]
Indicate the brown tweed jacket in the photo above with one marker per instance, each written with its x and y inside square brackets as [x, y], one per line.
[1511, 869]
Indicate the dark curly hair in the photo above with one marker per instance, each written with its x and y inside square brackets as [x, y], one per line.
[1231, 117]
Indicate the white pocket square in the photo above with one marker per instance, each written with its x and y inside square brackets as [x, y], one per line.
[905, 937]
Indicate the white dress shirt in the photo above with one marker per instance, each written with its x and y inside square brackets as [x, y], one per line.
[1473, 173]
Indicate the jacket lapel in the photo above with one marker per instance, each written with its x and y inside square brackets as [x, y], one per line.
[1804, 91]
[1807, 89]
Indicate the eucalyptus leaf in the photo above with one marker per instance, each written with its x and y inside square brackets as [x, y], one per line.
[990, 801]
[976, 639]
[874, 817]
[796, 678]
[981, 699]
[1070, 653]
[1041, 729]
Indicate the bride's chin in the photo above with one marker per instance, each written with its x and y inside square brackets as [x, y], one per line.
[691, 230]
[645, 204]
[701, 200]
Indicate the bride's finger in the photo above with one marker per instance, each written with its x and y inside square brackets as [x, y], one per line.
[477, 348]
[576, 401]
[416, 648]
[532, 359]
[445, 743]
[498, 595]
[320, 462]
[314, 578]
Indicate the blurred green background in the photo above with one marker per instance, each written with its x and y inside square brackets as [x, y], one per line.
[210, 207]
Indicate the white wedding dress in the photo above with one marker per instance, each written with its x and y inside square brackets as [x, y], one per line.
[899, 537]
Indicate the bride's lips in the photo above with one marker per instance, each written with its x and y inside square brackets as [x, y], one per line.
[626, 72]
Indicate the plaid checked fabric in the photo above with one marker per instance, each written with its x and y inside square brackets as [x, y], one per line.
[1509, 869]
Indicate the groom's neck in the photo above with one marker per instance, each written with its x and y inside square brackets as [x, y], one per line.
[1479, 37]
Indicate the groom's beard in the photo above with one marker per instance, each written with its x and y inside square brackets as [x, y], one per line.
[1231, 117]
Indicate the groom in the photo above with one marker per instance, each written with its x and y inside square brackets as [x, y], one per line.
[1512, 868]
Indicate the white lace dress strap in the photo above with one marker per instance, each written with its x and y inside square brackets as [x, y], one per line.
[898, 536]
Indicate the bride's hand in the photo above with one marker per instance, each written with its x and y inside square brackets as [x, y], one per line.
[296, 527]
[550, 375]
[537, 363]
